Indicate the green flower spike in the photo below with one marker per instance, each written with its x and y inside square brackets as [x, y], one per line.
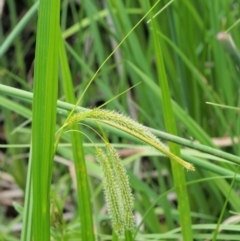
[112, 193]
[129, 126]
[115, 180]
[122, 181]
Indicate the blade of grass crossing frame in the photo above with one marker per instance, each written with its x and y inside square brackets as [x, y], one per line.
[44, 114]
[20, 26]
[178, 171]
[26, 233]
[17, 43]
[83, 191]
[128, 236]
[216, 231]
[18, 170]
[27, 96]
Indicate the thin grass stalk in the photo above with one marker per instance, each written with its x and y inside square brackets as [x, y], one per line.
[203, 180]
[26, 234]
[209, 166]
[112, 53]
[18, 169]
[63, 107]
[83, 191]
[202, 81]
[223, 186]
[17, 30]
[128, 236]
[179, 66]
[127, 125]
[17, 43]
[166, 205]
[44, 114]
[178, 172]
[195, 130]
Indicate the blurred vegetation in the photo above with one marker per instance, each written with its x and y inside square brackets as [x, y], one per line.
[199, 43]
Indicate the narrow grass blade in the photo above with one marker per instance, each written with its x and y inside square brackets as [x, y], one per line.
[223, 210]
[26, 234]
[178, 172]
[83, 191]
[17, 43]
[44, 114]
[28, 96]
[9, 40]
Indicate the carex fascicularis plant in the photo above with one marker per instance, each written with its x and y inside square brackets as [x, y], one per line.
[127, 125]
[115, 180]
[117, 190]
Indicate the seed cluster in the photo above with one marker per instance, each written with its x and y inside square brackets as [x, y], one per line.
[130, 126]
[116, 189]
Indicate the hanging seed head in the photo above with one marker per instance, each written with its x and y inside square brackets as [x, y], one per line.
[122, 181]
[130, 126]
[117, 190]
[112, 193]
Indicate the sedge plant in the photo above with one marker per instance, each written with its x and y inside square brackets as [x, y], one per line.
[44, 111]
[120, 224]
[116, 185]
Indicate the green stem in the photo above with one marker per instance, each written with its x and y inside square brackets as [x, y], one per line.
[83, 190]
[17, 30]
[44, 115]
[63, 107]
[178, 172]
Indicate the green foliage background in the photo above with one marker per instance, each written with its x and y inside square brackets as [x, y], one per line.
[198, 67]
